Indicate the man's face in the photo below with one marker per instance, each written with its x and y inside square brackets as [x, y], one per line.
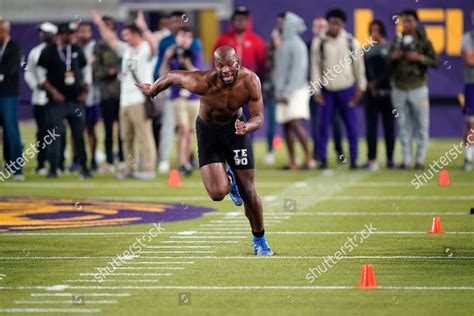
[4, 32]
[279, 24]
[46, 37]
[84, 33]
[65, 38]
[409, 23]
[335, 26]
[375, 32]
[184, 39]
[240, 23]
[175, 23]
[320, 26]
[110, 24]
[227, 68]
[164, 23]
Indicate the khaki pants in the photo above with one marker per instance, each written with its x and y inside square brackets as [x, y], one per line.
[134, 125]
[186, 112]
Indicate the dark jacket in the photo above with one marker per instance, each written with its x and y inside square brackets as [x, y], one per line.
[10, 69]
[409, 75]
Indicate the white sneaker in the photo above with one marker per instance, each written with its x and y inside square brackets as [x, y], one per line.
[43, 171]
[269, 159]
[373, 166]
[144, 175]
[467, 165]
[164, 167]
[19, 177]
[107, 169]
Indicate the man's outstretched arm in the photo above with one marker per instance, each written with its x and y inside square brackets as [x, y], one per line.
[194, 81]
[255, 106]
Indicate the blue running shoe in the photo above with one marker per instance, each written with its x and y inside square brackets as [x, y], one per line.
[234, 190]
[261, 248]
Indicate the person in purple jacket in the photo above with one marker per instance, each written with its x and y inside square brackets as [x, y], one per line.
[186, 104]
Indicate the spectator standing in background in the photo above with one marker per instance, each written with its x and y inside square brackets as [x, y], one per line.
[85, 41]
[468, 57]
[249, 46]
[268, 88]
[137, 55]
[342, 91]
[168, 117]
[186, 104]
[411, 54]
[378, 96]
[10, 58]
[61, 65]
[161, 32]
[106, 68]
[39, 99]
[291, 78]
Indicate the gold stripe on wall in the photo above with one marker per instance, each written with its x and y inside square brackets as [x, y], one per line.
[362, 19]
[208, 32]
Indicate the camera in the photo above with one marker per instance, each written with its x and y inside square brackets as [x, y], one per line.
[181, 52]
[406, 43]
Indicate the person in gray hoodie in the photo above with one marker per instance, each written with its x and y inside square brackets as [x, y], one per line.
[290, 81]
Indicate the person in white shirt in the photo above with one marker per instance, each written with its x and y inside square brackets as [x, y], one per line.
[337, 81]
[137, 56]
[39, 98]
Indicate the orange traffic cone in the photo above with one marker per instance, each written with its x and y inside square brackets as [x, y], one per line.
[276, 142]
[174, 179]
[436, 226]
[367, 278]
[444, 178]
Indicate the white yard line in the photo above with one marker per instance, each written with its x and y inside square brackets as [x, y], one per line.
[211, 242]
[112, 281]
[154, 263]
[50, 310]
[82, 294]
[127, 274]
[150, 268]
[178, 247]
[69, 302]
[179, 252]
[268, 287]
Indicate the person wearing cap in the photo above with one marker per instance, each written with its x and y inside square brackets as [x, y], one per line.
[10, 58]
[249, 46]
[62, 63]
[39, 99]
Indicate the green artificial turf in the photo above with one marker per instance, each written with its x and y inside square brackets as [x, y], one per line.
[418, 273]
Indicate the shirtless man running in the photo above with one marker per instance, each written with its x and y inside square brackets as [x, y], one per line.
[223, 133]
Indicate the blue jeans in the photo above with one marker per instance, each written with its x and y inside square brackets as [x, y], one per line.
[9, 121]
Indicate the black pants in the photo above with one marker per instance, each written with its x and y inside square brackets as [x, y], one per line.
[109, 109]
[156, 125]
[39, 113]
[75, 114]
[382, 105]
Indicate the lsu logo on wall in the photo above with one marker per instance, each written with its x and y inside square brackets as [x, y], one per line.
[444, 27]
[26, 214]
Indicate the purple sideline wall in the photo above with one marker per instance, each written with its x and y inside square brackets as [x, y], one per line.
[446, 120]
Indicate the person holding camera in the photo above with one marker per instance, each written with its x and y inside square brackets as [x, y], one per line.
[411, 53]
[186, 104]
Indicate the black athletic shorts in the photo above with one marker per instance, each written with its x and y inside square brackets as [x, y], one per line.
[219, 143]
